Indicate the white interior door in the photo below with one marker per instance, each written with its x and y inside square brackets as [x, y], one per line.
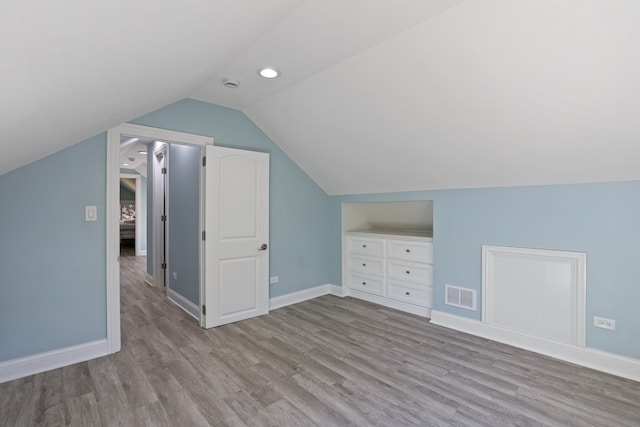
[237, 235]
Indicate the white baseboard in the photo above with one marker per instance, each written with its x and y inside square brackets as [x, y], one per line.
[54, 359]
[190, 308]
[296, 297]
[398, 305]
[338, 291]
[591, 358]
[149, 280]
[142, 253]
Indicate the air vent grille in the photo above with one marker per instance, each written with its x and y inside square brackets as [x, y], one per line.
[460, 297]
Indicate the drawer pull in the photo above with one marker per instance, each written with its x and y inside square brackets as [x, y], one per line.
[407, 293]
[407, 250]
[408, 272]
[364, 265]
[364, 283]
[364, 246]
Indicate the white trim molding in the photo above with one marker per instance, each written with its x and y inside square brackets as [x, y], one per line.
[54, 359]
[386, 302]
[299, 296]
[555, 284]
[341, 291]
[190, 308]
[149, 279]
[338, 291]
[610, 363]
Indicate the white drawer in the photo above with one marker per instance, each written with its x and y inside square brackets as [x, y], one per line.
[410, 251]
[410, 271]
[367, 284]
[371, 247]
[368, 266]
[404, 292]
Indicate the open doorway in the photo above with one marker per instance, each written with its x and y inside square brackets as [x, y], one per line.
[122, 150]
[230, 266]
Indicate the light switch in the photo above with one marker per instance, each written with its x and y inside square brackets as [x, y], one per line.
[90, 213]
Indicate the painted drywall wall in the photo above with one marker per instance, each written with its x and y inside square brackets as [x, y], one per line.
[52, 262]
[602, 220]
[184, 221]
[299, 209]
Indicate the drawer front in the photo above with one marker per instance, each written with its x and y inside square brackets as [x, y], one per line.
[370, 247]
[368, 266]
[403, 292]
[367, 284]
[412, 272]
[410, 251]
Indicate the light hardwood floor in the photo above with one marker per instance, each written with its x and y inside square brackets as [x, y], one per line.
[328, 362]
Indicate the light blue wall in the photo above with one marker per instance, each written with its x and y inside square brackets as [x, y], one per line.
[184, 221]
[299, 209]
[602, 220]
[52, 262]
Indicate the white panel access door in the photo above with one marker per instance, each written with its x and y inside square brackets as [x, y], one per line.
[537, 292]
[237, 235]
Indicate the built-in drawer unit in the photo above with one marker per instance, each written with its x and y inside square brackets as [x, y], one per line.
[406, 292]
[366, 265]
[367, 284]
[394, 269]
[410, 251]
[410, 271]
[366, 247]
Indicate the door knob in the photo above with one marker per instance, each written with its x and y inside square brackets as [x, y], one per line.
[263, 247]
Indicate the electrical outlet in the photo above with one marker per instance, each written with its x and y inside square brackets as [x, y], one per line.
[175, 276]
[274, 279]
[601, 322]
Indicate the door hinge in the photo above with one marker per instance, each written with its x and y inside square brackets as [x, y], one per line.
[164, 265]
[164, 170]
[204, 309]
[163, 218]
[203, 235]
[204, 161]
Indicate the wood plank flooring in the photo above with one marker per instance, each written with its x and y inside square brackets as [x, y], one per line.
[326, 362]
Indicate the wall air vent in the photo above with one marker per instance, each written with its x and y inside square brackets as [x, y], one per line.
[460, 297]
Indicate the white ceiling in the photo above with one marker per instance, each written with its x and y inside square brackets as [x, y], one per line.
[130, 154]
[384, 95]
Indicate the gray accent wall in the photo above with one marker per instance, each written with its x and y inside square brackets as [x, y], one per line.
[184, 221]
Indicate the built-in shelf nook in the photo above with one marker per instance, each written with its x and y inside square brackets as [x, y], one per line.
[387, 252]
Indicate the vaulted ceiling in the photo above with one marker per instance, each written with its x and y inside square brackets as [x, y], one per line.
[374, 95]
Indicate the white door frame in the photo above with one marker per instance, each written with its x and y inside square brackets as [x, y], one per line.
[112, 207]
[138, 202]
[158, 276]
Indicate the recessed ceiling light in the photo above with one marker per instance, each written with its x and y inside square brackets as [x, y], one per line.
[268, 72]
[142, 152]
[124, 164]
